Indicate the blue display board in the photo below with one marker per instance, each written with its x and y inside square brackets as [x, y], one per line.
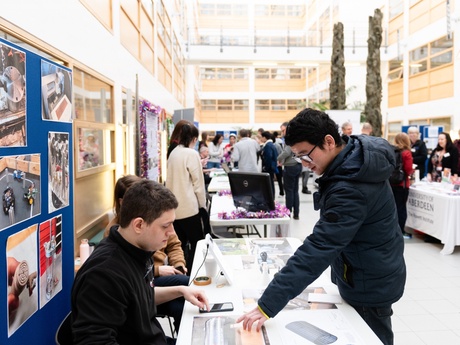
[36, 183]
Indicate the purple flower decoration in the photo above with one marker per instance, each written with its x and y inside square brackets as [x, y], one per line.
[280, 211]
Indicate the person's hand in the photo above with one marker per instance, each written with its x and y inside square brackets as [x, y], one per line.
[196, 297]
[251, 317]
[168, 271]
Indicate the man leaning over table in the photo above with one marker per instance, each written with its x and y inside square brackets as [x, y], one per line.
[114, 293]
[357, 233]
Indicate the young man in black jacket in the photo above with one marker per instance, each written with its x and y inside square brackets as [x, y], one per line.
[114, 294]
[357, 234]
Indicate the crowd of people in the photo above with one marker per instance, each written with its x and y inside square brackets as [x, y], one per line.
[141, 268]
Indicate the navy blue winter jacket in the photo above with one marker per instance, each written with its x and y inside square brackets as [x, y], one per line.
[357, 233]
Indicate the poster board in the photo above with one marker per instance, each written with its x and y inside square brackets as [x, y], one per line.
[36, 174]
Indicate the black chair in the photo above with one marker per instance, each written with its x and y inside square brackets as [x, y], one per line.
[64, 332]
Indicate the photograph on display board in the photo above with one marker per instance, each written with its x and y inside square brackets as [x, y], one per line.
[58, 170]
[12, 96]
[90, 148]
[56, 86]
[21, 255]
[19, 185]
[50, 248]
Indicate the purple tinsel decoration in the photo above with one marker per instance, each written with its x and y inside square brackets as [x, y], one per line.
[280, 211]
[145, 106]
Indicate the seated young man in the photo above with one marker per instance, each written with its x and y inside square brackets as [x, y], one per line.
[114, 296]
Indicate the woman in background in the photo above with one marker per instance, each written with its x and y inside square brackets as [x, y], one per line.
[444, 156]
[169, 262]
[401, 190]
[174, 139]
[186, 181]
[216, 151]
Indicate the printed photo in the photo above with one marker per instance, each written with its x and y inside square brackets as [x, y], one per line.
[12, 96]
[21, 256]
[20, 188]
[58, 170]
[50, 259]
[56, 92]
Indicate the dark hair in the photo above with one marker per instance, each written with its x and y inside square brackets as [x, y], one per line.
[215, 141]
[146, 199]
[175, 135]
[312, 126]
[188, 133]
[122, 185]
[275, 134]
[449, 142]
[267, 135]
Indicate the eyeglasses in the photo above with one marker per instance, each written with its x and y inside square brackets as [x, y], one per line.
[306, 157]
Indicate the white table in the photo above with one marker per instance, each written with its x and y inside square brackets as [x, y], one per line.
[344, 321]
[435, 210]
[225, 204]
[218, 183]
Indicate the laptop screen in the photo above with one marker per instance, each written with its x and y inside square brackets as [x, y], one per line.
[252, 191]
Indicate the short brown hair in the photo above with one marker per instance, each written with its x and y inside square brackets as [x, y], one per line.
[146, 199]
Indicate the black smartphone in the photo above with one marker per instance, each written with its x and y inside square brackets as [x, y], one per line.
[218, 307]
[180, 268]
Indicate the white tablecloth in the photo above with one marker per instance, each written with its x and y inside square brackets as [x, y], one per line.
[435, 210]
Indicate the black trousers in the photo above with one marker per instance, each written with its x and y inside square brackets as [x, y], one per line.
[190, 231]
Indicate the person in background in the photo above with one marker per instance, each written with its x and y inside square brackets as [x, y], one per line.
[174, 139]
[269, 157]
[292, 170]
[203, 141]
[114, 296]
[245, 152]
[279, 148]
[457, 145]
[228, 149]
[444, 156]
[401, 190]
[305, 172]
[418, 149]
[357, 230]
[204, 156]
[216, 151]
[186, 181]
[366, 129]
[347, 128]
[169, 269]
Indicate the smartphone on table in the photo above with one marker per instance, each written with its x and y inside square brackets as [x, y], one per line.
[218, 307]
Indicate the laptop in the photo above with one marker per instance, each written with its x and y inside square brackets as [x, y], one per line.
[226, 168]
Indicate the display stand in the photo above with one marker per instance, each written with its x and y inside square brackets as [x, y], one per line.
[36, 181]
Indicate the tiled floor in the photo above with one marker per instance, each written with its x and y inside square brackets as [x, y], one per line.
[429, 311]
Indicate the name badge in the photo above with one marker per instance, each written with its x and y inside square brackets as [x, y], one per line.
[447, 154]
[413, 149]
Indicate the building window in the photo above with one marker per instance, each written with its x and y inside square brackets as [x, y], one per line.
[262, 104]
[93, 98]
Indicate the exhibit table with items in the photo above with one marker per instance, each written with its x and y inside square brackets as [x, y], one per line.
[234, 273]
[224, 214]
[433, 208]
[219, 183]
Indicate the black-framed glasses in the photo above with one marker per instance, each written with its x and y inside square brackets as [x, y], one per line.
[306, 157]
